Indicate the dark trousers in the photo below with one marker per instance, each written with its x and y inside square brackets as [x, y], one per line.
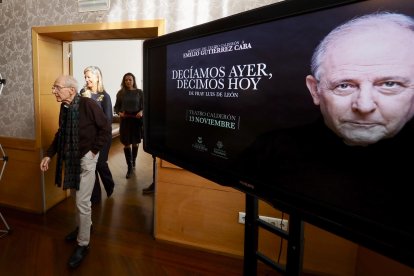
[104, 173]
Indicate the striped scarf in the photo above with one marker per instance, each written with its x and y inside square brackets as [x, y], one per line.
[68, 147]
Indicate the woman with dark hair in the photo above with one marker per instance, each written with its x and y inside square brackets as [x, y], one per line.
[129, 107]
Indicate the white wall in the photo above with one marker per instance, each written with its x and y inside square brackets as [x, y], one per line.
[113, 57]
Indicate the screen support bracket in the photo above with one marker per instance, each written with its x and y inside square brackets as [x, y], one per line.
[294, 237]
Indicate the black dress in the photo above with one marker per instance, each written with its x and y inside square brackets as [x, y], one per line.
[130, 128]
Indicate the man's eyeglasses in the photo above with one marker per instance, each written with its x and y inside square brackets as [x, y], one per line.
[58, 88]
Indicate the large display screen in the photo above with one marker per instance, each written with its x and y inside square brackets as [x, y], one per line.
[249, 102]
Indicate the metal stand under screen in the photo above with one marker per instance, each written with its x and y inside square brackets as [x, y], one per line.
[4, 158]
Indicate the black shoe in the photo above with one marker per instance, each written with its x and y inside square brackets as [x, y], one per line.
[149, 189]
[128, 174]
[72, 235]
[78, 255]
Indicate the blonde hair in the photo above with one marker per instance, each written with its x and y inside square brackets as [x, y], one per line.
[97, 72]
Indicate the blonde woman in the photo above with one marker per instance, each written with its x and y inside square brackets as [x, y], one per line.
[94, 89]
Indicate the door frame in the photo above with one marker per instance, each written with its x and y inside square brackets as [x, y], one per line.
[140, 29]
[51, 58]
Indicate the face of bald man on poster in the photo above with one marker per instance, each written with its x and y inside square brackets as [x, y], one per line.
[363, 78]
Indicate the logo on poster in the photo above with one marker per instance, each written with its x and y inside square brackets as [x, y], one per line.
[219, 150]
[199, 145]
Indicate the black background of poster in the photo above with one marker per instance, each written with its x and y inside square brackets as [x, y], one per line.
[268, 107]
[283, 36]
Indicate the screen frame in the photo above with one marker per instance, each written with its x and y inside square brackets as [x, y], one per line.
[260, 15]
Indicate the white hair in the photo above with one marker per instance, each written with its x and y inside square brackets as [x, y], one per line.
[374, 20]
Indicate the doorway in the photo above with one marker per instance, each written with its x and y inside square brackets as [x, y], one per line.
[114, 57]
[51, 58]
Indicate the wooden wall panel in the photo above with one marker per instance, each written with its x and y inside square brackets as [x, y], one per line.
[189, 215]
[372, 263]
[194, 211]
[21, 184]
[328, 253]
